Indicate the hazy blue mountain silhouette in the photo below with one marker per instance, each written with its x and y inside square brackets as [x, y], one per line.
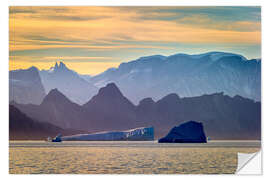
[98, 114]
[70, 83]
[23, 127]
[157, 76]
[57, 109]
[110, 106]
[187, 75]
[224, 117]
[25, 86]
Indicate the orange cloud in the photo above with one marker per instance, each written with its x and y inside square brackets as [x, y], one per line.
[99, 29]
[123, 23]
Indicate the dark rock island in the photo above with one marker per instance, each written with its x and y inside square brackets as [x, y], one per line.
[189, 132]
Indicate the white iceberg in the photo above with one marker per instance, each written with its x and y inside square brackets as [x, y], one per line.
[138, 134]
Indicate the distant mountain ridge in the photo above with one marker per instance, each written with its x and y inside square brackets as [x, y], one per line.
[187, 75]
[70, 83]
[56, 109]
[224, 117]
[156, 76]
[23, 127]
[25, 86]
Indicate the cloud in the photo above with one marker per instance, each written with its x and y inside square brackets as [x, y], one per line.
[56, 13]
[14, 10]
[218, 13]
[75, 18]
[37, 58]
[204, 21]
[128, 32]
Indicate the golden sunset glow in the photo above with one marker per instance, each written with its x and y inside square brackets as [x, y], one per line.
[92, 39]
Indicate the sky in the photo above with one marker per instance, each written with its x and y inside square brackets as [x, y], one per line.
[90, 40]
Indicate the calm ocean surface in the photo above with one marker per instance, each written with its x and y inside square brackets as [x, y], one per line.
[38, 157]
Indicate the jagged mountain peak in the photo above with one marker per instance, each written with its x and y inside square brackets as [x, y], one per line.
[110, 90]
[146, 101]
[54, 91]
[72, 84]
[56, 65]
[62, 65]
[110, 95]
[55, 96]
[172, 96]
[33, 68]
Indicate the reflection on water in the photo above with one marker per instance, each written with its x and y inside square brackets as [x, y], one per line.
[124, 157]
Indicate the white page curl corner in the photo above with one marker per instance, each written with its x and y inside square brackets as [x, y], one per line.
[249, 164]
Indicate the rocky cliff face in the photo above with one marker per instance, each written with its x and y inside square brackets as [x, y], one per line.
[189, 132]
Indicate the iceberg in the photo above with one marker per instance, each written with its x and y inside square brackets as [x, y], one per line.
[57, 138]
[188, 132]
[138, 134]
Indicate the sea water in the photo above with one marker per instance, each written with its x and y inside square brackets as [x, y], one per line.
[37, 157]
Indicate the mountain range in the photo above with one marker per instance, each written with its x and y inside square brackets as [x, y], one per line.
[224, 117]
[221, 90]
[151, 76]
[70, 83]
[187, 75]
